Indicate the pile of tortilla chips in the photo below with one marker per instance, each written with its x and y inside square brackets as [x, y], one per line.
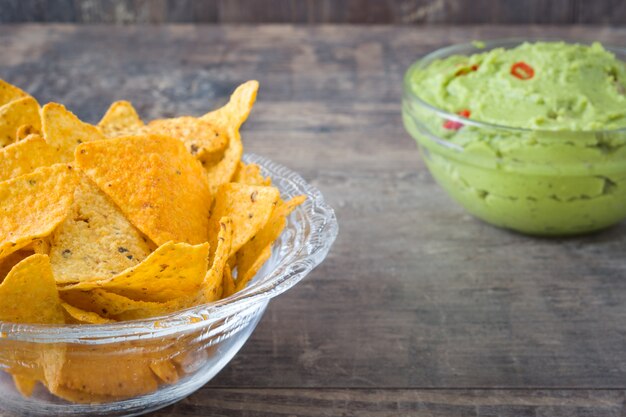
[125, 220]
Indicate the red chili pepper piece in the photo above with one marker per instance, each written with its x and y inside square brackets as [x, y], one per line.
[454, 125]
[466, 70]
[522, 70]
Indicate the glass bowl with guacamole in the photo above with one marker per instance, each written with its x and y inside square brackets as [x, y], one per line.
[529, 136]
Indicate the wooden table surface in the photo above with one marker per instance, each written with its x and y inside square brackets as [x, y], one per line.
[419, 309]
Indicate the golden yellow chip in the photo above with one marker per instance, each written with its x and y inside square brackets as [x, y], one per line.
[204, 141]
[29, 293]
[99, 371]
[7, 263]
[25, 131]
[257, 251]
[13, 115]
[25, 156]
[165, 370]
[174, 270]
[121, 119]
[40, 246]
[33, 205]
[64, 131]
[238, 108]
[250, 174]
[95, 241]
[228, 283]
[82, 397]
[248, 206]
[118, 307]
[157, 184]
[24, 384]
[9, 92]
[79, 316]
[229, 119]
[212, 288]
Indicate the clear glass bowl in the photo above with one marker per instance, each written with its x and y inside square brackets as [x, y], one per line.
[533, 181]
[134, 367]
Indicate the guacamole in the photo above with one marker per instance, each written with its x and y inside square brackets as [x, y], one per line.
[548, 157]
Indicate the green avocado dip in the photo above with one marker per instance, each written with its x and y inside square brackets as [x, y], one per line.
[536, 144]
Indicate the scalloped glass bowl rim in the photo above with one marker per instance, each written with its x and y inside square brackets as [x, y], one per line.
[277, 281]
[464, 48]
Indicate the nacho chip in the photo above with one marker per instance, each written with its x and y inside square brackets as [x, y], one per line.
[238, 108]
[174, 270]
[257, 251]
[248, 206]
[23, 111]
[64, 131]
[83, 317]
[117, 307]
[40, 246]
[33, 205]
[25, 131]
[7, 263]
[212, 288]
[121, 119]
[24, 384]
[105, 372]
[29, 293]
[201, 138]
[157, 184]
[9, 92]
[250, 174]
[82, 397]
[165, 370]
[25, 156]
[228, 283]
[229, 119]
[95, 241]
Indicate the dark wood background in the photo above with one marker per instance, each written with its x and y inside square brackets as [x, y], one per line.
[316, 11]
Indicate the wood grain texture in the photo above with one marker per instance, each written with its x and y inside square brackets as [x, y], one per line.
[314, 11]
[237, 402]
[416, 294]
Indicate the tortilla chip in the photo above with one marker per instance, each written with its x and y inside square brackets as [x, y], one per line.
[40, 246]
[228, 283]
[95, 241]
[79, 316]
[238, 108]
[174, 270]
[121, 119]
[118, 307]
[258, 250]
[102, 371]
[33, 205]
[64, 131]
[248, 206]
[24, 384]
[25, 156]
[229, 119]
[201, 138]
[156, 183]
[23, 111]
[9, 92]
[7, 263]
[212, 287]
[24, 131]
[29, 293]
[81, 397]
[165, 370]
[250, 174]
